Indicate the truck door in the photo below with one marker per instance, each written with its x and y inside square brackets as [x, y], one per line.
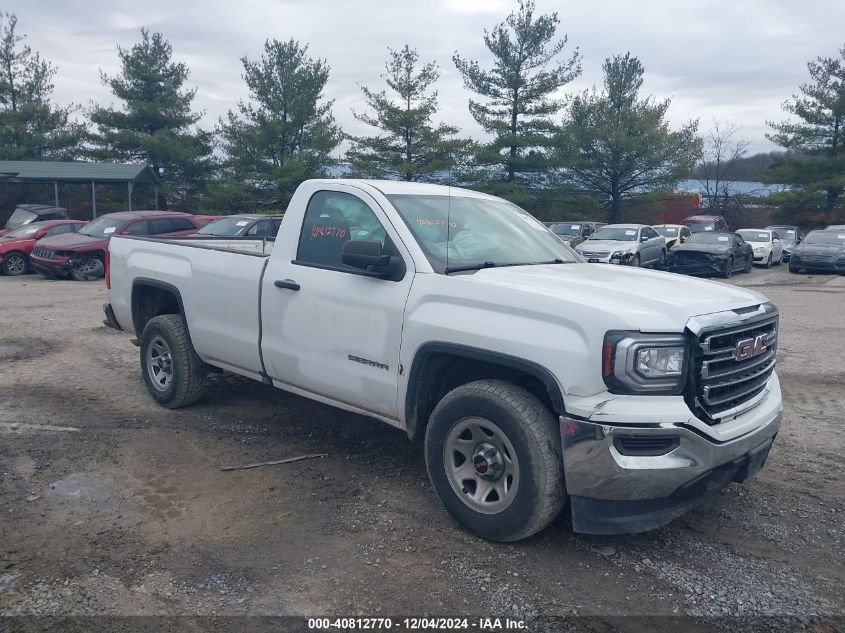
[331, 329]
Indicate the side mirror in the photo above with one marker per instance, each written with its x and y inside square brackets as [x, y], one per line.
[644, 238]
[363, 254]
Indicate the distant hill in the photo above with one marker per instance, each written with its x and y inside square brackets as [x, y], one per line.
[746, 169]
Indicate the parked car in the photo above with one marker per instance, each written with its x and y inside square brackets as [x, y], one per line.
[835, 227]
[790, 235]
[29, 213]
[16, 246]
[706, 223]
[573, 233]
[711, 254]
[82, 255]
[254, 225]
[535, 378]
[628, 244]
[672, 233]
[820, 250]
[767, 245]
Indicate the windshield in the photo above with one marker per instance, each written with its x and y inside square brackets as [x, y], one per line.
[566, 228]
[615, 233]
[784, 232]
[102, 227]
[667, 231]
[477, 233]
[755, 236]
[700, 227]
[708, 238]
[25, 230]
[227, 227]
[825, 237]
[19, 218]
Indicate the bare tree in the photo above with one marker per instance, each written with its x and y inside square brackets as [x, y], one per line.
[722, 151]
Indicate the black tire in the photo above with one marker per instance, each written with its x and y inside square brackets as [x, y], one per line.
[729, 268]
[534, 437]
[661, 261]
[749, 264]
[15, 264]
[635, 260]
[187, 371]
[769, 261]
[88, 269]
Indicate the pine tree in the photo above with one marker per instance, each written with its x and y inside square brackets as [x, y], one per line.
[286, 133]
[31, 127]
[615, 144]
[816, 166]
[410, 146]
[518, 88]
[155, 123]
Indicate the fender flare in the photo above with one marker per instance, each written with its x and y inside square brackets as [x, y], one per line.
[146, 282]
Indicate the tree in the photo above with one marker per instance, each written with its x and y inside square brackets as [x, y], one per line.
[518, 87]
[818, 171]
[722, 153]
[410, 147]
[31, 127]
[155, 124]
[286, 135]
[616, 144]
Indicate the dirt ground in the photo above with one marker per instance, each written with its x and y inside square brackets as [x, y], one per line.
[110, 504]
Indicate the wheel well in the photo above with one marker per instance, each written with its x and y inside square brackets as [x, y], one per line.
[151, 300]
[436, 373]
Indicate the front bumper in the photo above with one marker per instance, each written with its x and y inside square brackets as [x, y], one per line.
[704, 267]
[625, 260]
[52, 268]
[616, 493]
[830, 266]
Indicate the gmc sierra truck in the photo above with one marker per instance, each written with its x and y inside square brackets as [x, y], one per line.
[533, 377]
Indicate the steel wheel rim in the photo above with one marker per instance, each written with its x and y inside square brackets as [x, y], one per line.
[16, 265]
[87, 266]
[159, 364]
[473, 451]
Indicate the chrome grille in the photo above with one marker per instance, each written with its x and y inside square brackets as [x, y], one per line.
[44, 253]
[727, 386]
[596, 254]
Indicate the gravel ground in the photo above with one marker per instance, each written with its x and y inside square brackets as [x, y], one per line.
[112, 505]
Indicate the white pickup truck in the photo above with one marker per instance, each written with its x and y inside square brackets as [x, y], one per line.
[534, 377]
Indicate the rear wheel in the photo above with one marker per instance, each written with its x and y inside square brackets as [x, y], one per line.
[173, 373]
[493, 454]
[729, 268]
[88, 269]
[16, 264]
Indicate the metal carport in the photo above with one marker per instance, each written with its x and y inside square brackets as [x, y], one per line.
[40, 171]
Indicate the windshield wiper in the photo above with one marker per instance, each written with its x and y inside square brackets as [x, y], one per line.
[491, 264]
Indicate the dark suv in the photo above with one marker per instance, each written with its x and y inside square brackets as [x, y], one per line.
[82, 255]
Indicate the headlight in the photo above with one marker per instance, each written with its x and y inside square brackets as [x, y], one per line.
[633, 362]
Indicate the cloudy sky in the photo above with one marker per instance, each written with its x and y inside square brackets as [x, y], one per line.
[730, 59]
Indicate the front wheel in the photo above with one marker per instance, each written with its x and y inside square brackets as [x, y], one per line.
[635, 261]
[88, 269]
[729, 268]
[173, 373]
[16, 264]
[493, 454]
[769, 261]
[749, 264]
[661, 261]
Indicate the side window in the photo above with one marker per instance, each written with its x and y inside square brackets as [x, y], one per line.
[332, 218]
[138, 228]
[60, 229]
[161, 225]
[182, 224]
[264, 228]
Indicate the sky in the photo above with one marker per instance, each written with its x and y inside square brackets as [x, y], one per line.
[733, 60]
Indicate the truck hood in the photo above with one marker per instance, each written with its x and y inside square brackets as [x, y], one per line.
[73, 241]
[606, 245]
[648, 300]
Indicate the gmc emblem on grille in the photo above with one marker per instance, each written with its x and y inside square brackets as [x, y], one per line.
[750, 347]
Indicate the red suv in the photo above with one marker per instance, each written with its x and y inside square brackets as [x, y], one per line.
[16, 246]
[709, 223]
[82, 255]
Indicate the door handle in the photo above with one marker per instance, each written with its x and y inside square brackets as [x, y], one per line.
[287, 284]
